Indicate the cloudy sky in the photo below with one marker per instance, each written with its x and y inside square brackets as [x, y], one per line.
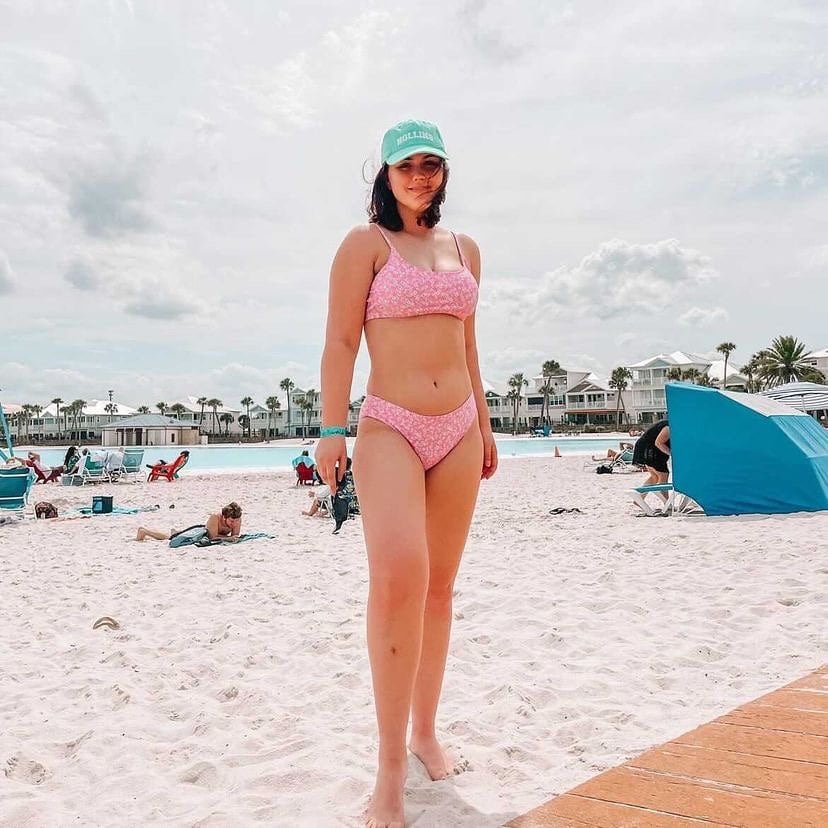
[175, 177]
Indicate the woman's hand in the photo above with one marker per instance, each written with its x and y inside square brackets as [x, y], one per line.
[330, 451]
[489, 455]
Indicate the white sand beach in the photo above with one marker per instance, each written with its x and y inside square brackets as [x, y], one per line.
[236, 690]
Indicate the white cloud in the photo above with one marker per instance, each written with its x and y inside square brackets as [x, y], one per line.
[6, 274]
[618, 279]
[82, 275]
[815, 258]
[108, 196]
[703, 317]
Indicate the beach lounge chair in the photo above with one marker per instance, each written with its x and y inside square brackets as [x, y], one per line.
[42, 476]
[15, 484]
[131, 469]
[304, 475]
[622, 463]
[92, 471]
[676, 503]
[168, 471]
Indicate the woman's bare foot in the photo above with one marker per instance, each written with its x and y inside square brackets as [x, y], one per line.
[386, 807]
[429, 751]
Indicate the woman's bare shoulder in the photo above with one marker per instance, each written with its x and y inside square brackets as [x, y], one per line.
[471, 251]
[361, 238]
[468, 244]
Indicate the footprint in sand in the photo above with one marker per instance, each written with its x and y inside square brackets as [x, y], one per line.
[25, 770]
[203, 774]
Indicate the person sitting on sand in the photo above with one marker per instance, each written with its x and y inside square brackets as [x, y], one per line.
[223, 526]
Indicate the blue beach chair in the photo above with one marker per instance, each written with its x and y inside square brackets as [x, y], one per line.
[131, 470]
[15, 484]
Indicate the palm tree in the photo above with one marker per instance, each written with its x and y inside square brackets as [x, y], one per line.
[620, 380]
[726, 348]
[214, 404]
[202, 401]
[691, 375]
[111, 408]
[273, 405]
[551, 368]
[57, 402]
[751, 370]
[162, 407]
[247, 402]
[287, 385]
[77, 413]
[704, 380]
[674, 374]
[143, 409]
[23, 419]
[37, 410]
[178, 409]
[307, 404]
[785, 362]
[244, 422]
[227, 418]
[516, 384]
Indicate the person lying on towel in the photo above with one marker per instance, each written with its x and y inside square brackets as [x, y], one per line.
[224, 526]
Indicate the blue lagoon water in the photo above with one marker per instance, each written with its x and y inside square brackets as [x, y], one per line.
[278, 457]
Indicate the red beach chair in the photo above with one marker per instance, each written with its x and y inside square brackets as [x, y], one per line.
[168, 471]
[42, 477]
[304, 475]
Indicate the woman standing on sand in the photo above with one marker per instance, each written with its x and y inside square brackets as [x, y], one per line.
[424, 437]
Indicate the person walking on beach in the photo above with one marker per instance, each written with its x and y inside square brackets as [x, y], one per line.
[424, 440]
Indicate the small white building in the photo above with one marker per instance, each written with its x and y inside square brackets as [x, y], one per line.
[150, 430]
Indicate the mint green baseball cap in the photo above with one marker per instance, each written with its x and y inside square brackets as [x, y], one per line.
[409, 138]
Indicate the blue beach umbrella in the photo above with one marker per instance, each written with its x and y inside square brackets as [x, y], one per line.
[737, 454]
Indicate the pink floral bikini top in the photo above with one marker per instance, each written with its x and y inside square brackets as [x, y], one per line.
[402, 289]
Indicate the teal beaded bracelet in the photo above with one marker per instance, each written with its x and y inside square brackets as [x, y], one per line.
[333, 431]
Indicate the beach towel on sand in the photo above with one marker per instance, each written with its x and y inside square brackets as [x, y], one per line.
[197, 536]
[191, 536]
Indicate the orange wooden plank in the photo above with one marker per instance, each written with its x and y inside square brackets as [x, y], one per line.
[674, 795]
[778, 718]
[813, 700]
[818, 680]
[759, 742]
[570, 811]
[761, 773]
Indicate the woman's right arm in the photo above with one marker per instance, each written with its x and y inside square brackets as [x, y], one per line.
[351, 275]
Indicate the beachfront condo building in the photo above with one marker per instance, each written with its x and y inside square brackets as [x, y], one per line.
[652, 374]
[819, 360]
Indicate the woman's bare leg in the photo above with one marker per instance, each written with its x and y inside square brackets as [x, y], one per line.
[451, 493]
[150, 533]
[391, 489]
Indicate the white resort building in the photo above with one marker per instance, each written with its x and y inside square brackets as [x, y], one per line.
[819, 360]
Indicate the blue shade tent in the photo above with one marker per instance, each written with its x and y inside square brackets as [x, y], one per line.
[738, 454]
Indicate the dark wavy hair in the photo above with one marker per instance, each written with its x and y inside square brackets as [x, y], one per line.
[382, 208]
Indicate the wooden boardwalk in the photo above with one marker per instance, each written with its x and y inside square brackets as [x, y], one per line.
[764, 765]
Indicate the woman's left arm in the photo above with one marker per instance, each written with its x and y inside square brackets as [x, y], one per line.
[472, 253]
